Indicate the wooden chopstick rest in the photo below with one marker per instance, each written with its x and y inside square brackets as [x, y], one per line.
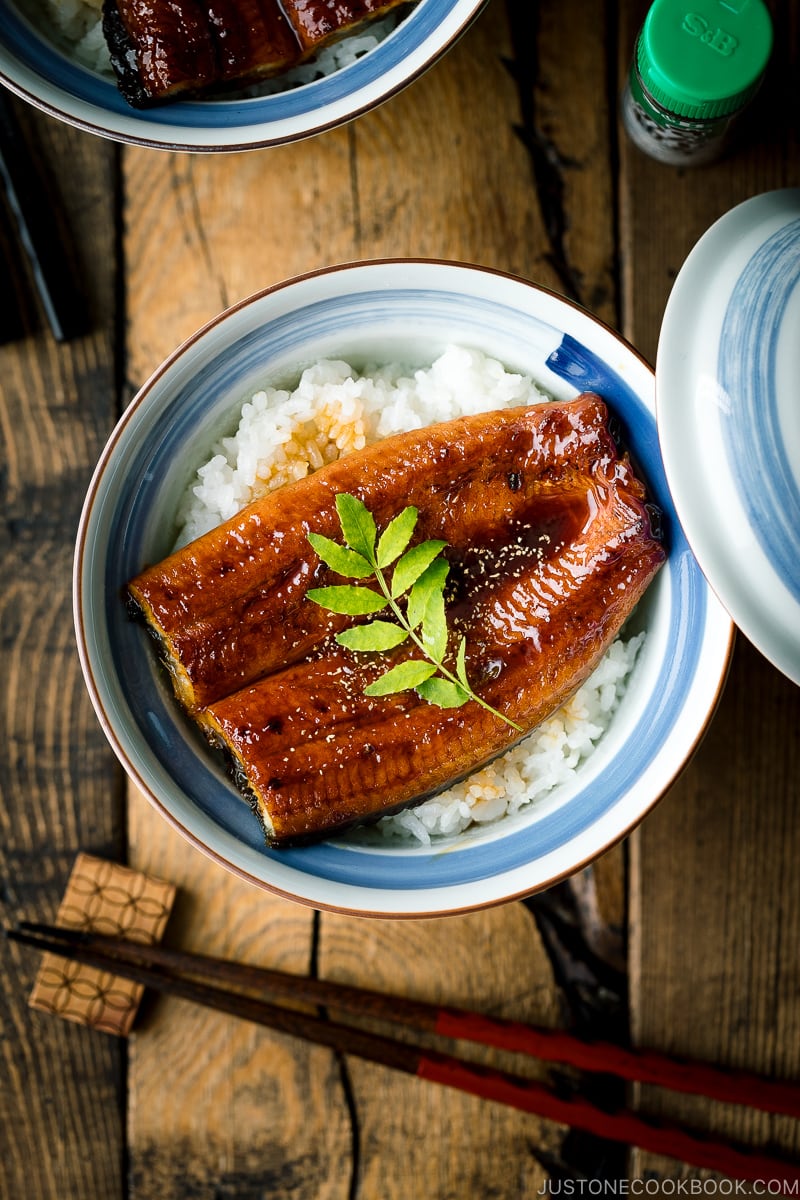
[102, 897]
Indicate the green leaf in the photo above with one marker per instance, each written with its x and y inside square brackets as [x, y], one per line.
[352, 601]
[420, 573]
[339, 558]
[430, 581]
[434, 627]
[409, 568]
[402, 678]
[358, 524]
[461, 662]
[396, 536]
[443, 692]
[377, 635]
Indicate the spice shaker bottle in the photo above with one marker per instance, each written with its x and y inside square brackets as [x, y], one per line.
[695, 67]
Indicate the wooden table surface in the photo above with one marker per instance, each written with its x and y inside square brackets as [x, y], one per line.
[507, 153]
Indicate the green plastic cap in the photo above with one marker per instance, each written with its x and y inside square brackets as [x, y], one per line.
[704, 58]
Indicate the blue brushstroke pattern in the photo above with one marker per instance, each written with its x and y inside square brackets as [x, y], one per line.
[132, 533]
[29, 47]
[752, 435]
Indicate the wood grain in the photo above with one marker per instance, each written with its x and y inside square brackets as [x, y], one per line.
[470, 192]
[61, 1099]
[715, 896]
[215, 1102]
[509, 156]
[729, 913]
[491, 961]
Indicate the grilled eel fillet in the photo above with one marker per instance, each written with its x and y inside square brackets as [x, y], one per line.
[164, 50]
[469, 479]
[551, 543]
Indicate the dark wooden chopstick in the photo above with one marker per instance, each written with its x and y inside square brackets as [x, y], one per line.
[38, 232]
[162, 969]
[550, 1045]
[15, 308]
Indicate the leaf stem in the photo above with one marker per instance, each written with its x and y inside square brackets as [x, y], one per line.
[448, 674]
[415, 572]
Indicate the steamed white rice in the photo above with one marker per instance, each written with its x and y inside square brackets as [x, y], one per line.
[78, 30]
[284, 434]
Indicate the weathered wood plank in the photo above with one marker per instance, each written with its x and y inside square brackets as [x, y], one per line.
[464, 186]
[205, 231]
[715, 907]
[565, 126]
[715, 898]
[244, 1112]
[408, 1130]
[216, 1103]
[61, 1129]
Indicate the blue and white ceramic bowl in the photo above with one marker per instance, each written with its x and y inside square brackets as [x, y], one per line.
[729, 419]
[385, 311]
[40, 70]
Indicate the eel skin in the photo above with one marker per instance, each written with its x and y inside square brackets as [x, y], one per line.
[551, 543]
[166, 50]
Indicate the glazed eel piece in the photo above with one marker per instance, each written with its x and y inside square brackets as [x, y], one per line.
[315, 755]
[547, 572]
[230, 607]
[164, 50]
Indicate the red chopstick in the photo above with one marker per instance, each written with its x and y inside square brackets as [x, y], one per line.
[171, 971]
[551, 1045]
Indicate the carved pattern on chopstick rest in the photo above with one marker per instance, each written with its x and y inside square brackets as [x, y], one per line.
[102, 897]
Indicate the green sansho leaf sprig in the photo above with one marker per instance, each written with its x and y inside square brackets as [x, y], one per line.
[418, 576]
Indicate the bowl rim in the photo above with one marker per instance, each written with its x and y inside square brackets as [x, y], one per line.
[739, 274]
[619, 833]
[130, 127]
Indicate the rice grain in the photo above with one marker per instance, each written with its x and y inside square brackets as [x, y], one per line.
[334, 409]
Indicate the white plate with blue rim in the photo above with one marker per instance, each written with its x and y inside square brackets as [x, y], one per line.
[729, 420]
[45, 68]
[406, 311]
